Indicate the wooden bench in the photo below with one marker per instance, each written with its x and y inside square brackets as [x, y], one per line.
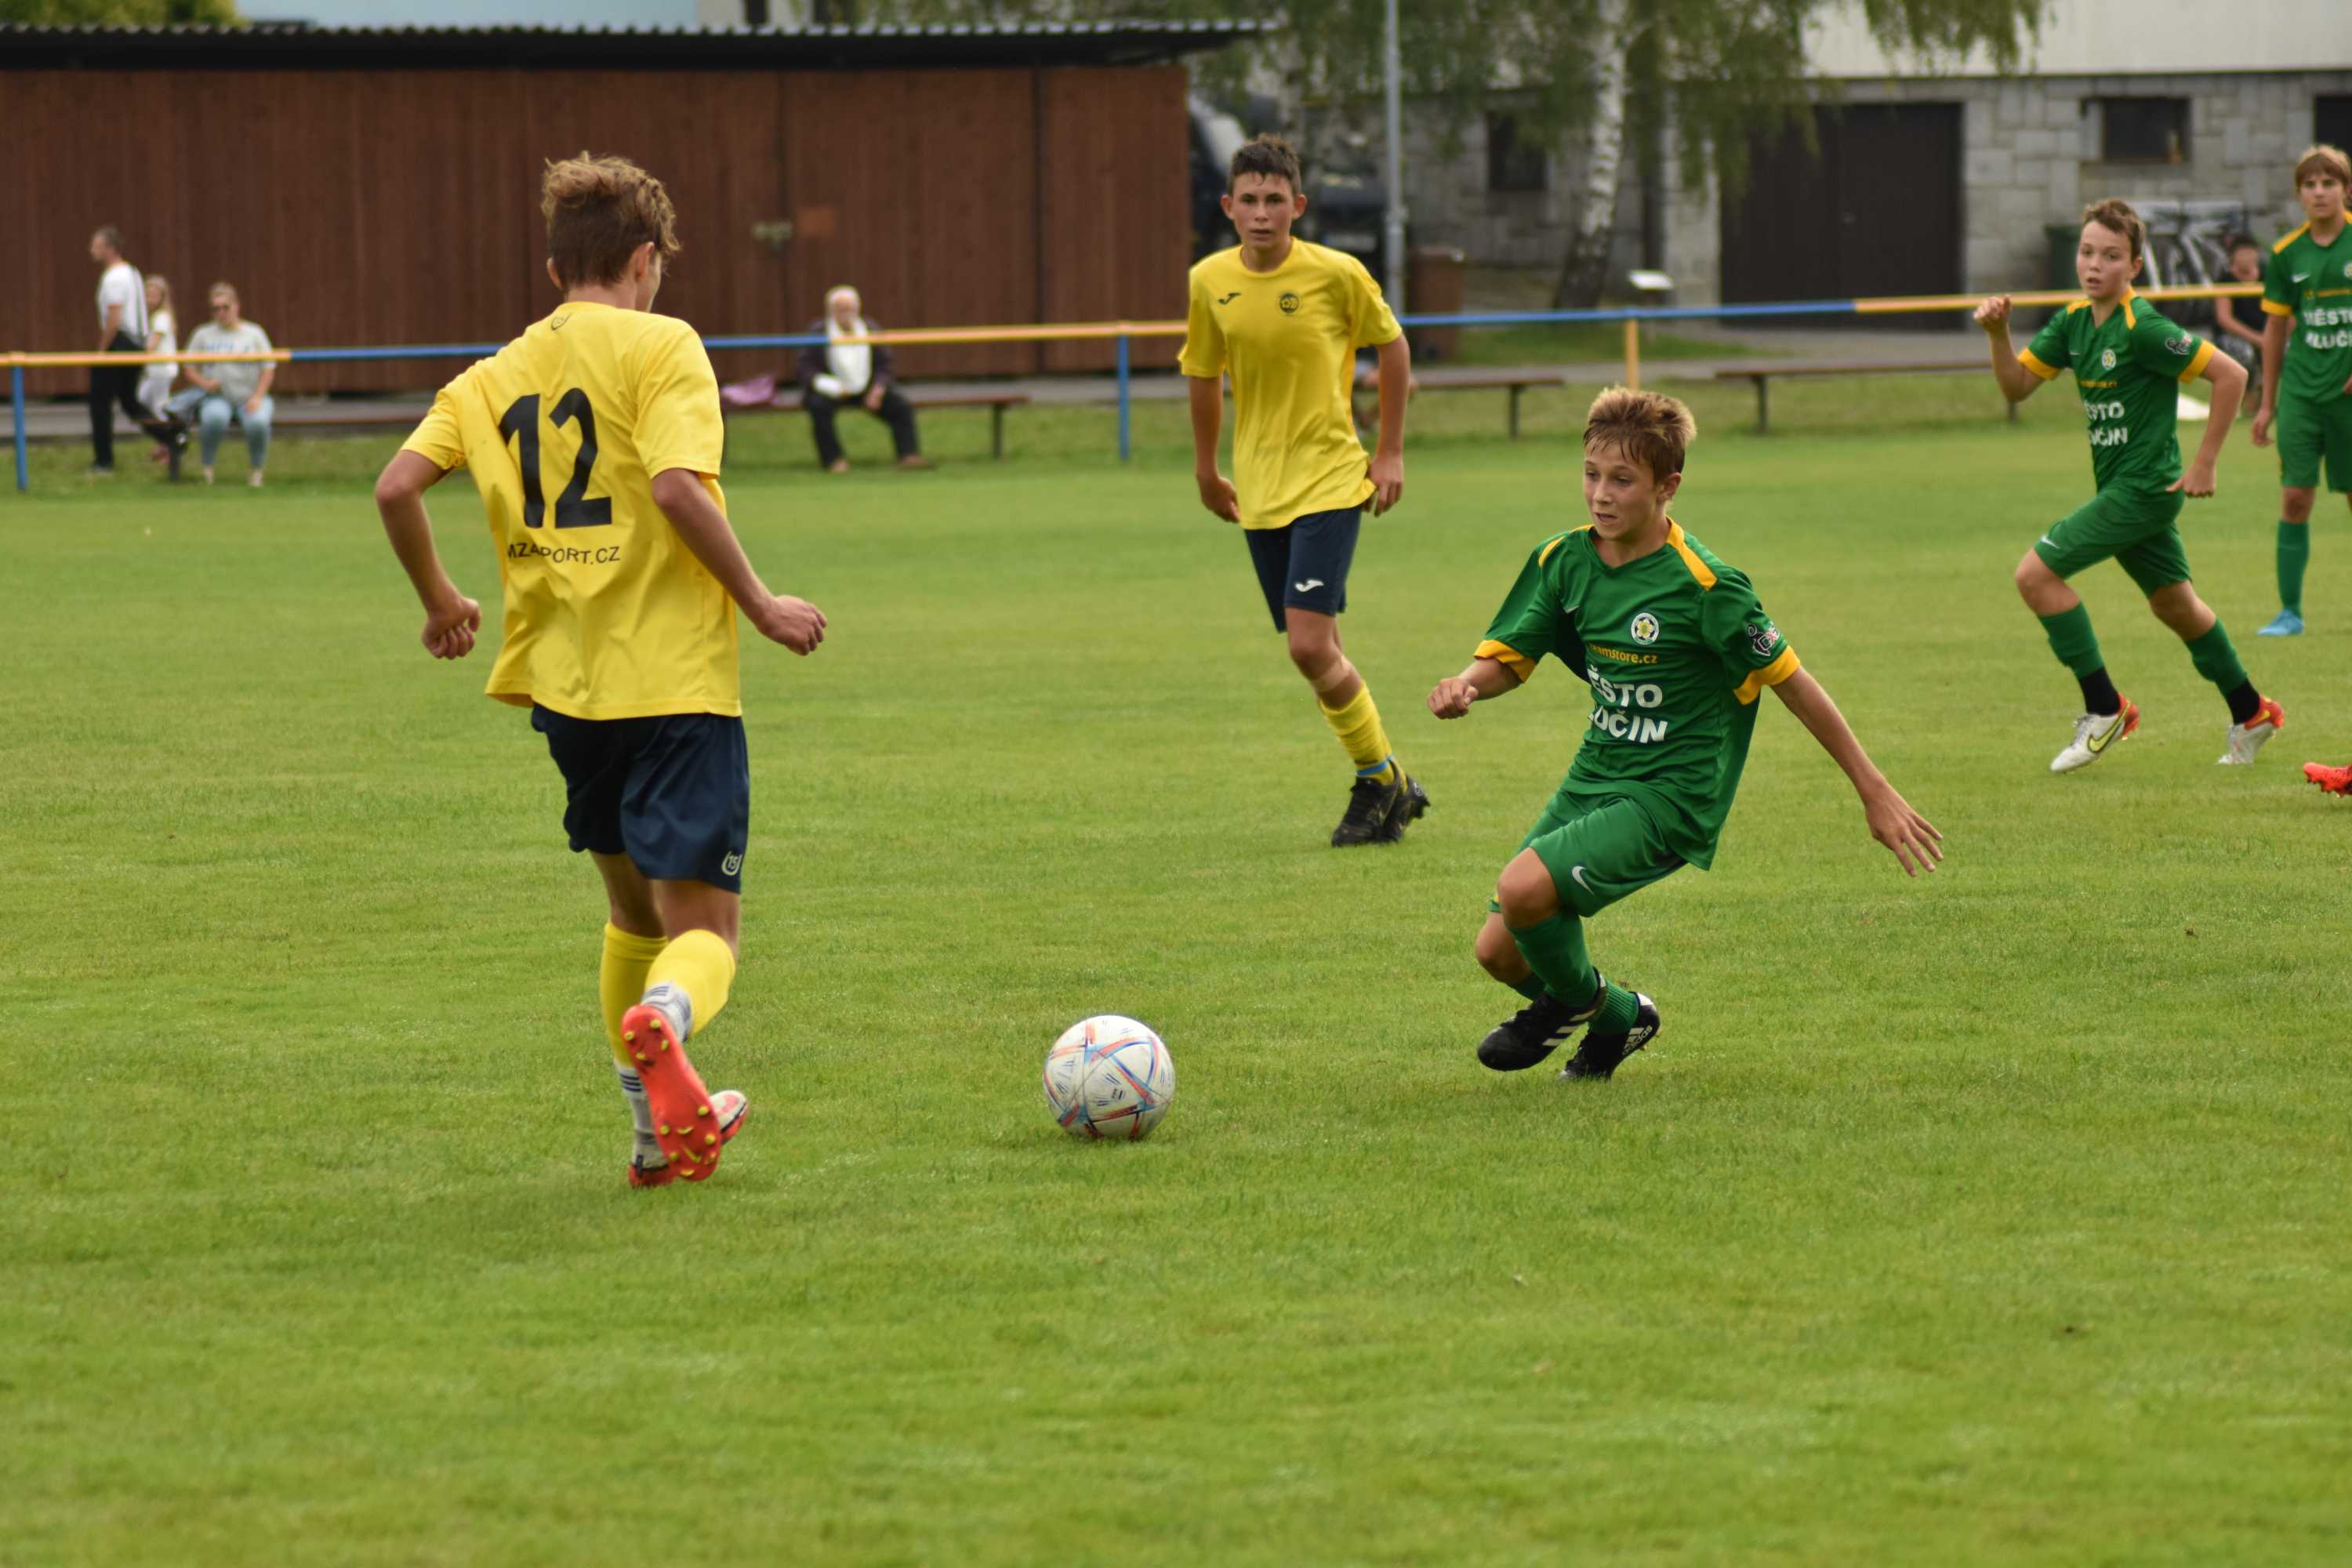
[1440, 379]
[996, 403]
[1762, 374]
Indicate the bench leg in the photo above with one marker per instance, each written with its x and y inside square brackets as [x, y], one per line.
[996, 430]
[1763, 405]
[1515, 414]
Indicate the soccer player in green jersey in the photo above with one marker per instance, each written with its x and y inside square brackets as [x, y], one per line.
[2129, 365]
[1285, 319]
[2307, 295]
[1676, 650]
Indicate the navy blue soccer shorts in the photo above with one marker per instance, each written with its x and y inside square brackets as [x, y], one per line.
[672, 792]
[1304, 563]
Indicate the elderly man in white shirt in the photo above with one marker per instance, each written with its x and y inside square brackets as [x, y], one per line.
[226, 390]
[859, 374]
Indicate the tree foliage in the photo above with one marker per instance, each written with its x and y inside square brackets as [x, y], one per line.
[119, 13]
[1716, 70]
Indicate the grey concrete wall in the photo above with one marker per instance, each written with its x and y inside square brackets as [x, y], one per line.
[1446, 191]
[2032, 153]
[2030, 147]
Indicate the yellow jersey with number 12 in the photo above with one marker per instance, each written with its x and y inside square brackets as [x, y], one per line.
[608, 614]
[1289, 337]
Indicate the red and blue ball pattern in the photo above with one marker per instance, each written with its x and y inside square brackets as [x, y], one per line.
[1108, 1077]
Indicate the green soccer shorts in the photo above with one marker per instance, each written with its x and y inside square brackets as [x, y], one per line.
[1599, 851]
[2135, 527]
[2308, 433]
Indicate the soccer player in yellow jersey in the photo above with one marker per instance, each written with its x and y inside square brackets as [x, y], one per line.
[594, 441]
[1285, 318]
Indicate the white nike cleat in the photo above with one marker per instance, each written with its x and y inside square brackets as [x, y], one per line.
[2094, 733]
[2247, 739]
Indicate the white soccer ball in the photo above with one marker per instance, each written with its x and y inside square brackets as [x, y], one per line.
[1108, 1077]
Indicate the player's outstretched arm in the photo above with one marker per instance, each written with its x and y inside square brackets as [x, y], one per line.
[2228, 381]
[451, 619]
[1910, 837]
[1483, 679]
[2017, 383]
[1388, 459]
[1208, 419]
[685, 500]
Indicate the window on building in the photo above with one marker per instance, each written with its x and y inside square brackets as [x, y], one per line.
[2143, 129]
[1515, 162]
[2331, 119]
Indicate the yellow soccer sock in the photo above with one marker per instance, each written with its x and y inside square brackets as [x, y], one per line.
[621, 979]
[1358, 725]
[699, 965]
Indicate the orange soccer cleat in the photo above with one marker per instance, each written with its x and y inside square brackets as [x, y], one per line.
[685, 1123]
[2334, 781]
[728, 1108]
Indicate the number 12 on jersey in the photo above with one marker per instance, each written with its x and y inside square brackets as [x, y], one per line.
[520, 425]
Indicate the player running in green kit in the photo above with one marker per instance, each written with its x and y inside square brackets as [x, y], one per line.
[2307, 295]
[2129, 365]
[1676, 651]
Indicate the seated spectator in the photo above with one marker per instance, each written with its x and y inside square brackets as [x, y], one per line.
[162, 338]
[228, 390]
[2237, 323]
[858, 373]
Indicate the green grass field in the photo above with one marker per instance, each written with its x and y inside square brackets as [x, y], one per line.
[1996, 1217]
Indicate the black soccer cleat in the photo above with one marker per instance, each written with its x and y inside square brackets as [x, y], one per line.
[1411, 803]
[1527, 1036]
[1371, 804]
[1601, 1055]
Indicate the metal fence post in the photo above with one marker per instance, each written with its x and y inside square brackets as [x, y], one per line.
[16, 417]
[1126, 400]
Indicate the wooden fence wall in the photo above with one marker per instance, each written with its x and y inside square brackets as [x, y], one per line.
[393, 207]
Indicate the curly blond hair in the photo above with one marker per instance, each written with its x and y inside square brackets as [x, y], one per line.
[598, 211]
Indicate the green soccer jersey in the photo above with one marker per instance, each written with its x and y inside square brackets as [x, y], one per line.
[2129, 371]
[1676, 651]
[2313, 283]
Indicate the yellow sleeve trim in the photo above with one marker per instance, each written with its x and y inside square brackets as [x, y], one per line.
[2033, 362]
[1772, 674]
[2272, 308]
[1510, 658]
[2290, 239]
[1555, 544]
[2198, 362]
[1700, 570]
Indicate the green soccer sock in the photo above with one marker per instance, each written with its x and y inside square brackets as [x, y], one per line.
[1555, 949]
[1532, 988]
[2071, 639]
[2216, 657]
[2293, 555]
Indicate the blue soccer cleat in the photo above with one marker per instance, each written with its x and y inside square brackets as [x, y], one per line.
[2285, 624]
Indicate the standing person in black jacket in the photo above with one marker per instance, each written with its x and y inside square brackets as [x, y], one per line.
[862, 375]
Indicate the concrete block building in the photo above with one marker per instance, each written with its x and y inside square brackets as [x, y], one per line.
[1936, 177]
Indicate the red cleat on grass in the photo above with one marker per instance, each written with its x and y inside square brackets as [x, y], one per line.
[2334, 781]
[685, 1123]
[728, 1108]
